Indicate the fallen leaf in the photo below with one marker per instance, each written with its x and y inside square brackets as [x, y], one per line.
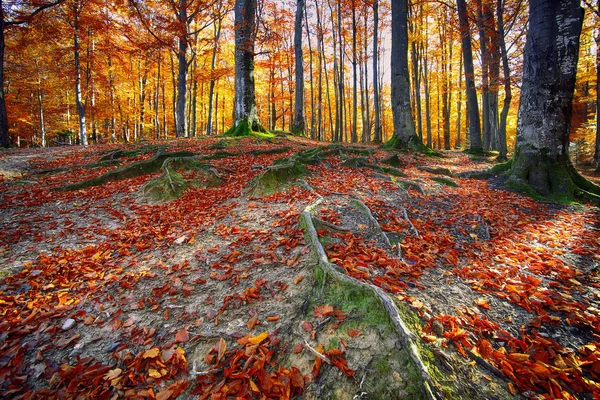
[182, 336]
[258, 338]
[151, 353]
[354, 332]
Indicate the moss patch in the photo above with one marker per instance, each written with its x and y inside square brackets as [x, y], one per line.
[245, 129]
[444, 181]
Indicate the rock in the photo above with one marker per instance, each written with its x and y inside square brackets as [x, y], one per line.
[69, 323]
[180, 240]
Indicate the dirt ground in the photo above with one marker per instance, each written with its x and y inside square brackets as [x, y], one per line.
[218, 294]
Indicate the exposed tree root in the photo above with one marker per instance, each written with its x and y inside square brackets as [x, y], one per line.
[132, 153]
[409, 184]
[132, 170]
[444, 181]
[244, 128]
[435, 170]
[172, 183]
[362, 162]
[407, 337]
[394, 161]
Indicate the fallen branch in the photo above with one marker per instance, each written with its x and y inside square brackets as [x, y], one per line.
[412, 228]
[316, 353]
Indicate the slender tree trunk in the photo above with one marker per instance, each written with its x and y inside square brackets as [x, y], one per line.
[417, 87]
[78, 96]
[213, 65]
[310, 69]
[425, 73]
[4, 137]
[40, 104]
[485, 97]
[507, 87]
[541, 159]
[404, 126]
[365, 61]
[459, 102]
[156, 100]
[473, 107]
[377, 107]
[298, 126]
[354, 137]
[182, 66]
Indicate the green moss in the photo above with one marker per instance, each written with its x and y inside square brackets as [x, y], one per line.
[334, 343]
[444, 181]
[243, 129]
[276, 178]
[220, 145]
[414, 144]
[502, 167]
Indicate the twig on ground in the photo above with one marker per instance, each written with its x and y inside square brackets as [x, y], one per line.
[316, 353]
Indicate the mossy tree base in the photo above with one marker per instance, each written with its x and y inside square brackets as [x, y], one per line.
[179, 174]
[414, 144]
[541, 177]
[245, 128]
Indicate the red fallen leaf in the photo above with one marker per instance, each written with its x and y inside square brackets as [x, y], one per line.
[182, 336]
[307, 326]
[297, 378]
[354, 332]
[323, 311]
[299, 347]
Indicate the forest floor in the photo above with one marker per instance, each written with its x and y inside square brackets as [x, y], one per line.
[221, 293]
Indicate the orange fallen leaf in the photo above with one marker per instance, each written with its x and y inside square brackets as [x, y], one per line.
[154, 373]
[164, 394]
[182, 336]
[252, 322]
[151, 353]
[298, 279]
[258, 338]
[273, 318]
[222, 349]
[483, 303]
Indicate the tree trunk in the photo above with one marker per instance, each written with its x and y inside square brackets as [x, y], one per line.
[78, 96]
[424, 74]
[354, 137]
[507, 87]
[541, 159]
[298, 127]
[4, 137]
[310, 66]
[459, 102]
[213, 65]
[404, 126]
[246, 115]
[485, 96]
[376, 106]
[182, 66]
[40, 104]
[472, 107]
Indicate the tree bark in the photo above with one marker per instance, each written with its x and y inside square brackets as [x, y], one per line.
[246, 114]
[77, 59]
[472, 106]
[404, 126]
[310, 66]
[485, 95]
[4, 136]
[354, 137]
[298, 127]
[182, 66]
[541, 159]
[376, 106]
[507, 86]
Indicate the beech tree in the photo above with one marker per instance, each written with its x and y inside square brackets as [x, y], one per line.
[404, 127]
[541, 159]
[298, 127]
[246, 114]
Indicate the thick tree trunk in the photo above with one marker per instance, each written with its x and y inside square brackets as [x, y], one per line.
[298, 127]
[182, 66]
[404, 126]
[246, 114]
[485, 94]
[541, 159]
[597, 147]
[472, 106]
[376, 106]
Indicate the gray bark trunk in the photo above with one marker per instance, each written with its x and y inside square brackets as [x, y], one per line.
[4, 137]
[404, 126]
[376, 106]
[40, 104]
[245, 97]
[298, 126]
[472, 106]
[213, 65]
[541, 157]
[182, 66]
[507, 87]
[78, 96]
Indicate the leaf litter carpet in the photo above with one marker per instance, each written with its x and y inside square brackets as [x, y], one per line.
[214, 295]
